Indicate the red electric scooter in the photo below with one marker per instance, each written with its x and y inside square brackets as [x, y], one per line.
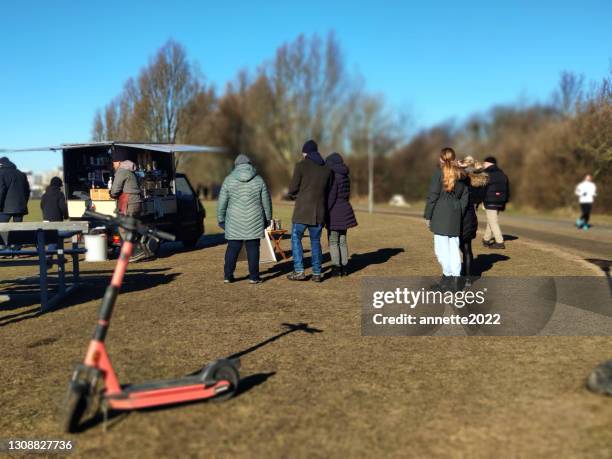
[217, 381]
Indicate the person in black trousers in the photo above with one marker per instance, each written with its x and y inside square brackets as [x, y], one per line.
[476, 181]
[14, 194]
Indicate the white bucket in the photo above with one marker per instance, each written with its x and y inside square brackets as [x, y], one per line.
[96, 247]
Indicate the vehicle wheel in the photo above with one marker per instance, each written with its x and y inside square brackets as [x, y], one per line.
[76, 405]
[226, 373]
[151, 245]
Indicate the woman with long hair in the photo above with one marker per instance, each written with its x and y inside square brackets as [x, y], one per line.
[446, 203]
[476, 179]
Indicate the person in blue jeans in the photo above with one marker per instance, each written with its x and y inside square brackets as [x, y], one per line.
[309, 188]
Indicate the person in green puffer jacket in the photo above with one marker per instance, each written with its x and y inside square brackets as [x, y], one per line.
[244, 212]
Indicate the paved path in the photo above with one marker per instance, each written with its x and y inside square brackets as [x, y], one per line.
[594, 243]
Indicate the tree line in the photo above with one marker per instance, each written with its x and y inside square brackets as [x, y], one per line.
[306, 91]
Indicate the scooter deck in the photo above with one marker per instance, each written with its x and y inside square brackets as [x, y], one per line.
[160, 384]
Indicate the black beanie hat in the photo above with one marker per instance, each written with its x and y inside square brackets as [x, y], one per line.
[121, 154]
[56, 181]
[310, 147]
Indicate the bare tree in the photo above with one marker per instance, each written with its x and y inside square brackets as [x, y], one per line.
[98, 133]
[302, 93]
[165, 88]
[569, 93]
[154, 107]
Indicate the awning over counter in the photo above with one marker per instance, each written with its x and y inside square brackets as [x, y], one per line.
[160, 147]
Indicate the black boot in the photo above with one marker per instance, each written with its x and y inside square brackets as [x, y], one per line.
[454, 284]
[336, 271]
[441, 285]
[344, 271]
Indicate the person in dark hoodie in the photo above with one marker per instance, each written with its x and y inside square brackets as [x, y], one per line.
[14, 192]
[53, 202]
[53, 205]
[244, 212]
[341, 216]
[496, 195]
[308, 187]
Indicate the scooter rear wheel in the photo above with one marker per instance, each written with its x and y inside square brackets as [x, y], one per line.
[76, 405]
[226, 373]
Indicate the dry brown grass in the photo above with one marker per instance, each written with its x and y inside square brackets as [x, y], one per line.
[328, 394]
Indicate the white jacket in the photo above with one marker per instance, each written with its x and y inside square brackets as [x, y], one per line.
[586, 192]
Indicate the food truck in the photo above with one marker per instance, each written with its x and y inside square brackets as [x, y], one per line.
[169, 201]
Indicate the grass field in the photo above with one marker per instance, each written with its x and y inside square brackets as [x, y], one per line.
[329, 393]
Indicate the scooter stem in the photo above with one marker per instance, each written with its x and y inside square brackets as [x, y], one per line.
[110, 295]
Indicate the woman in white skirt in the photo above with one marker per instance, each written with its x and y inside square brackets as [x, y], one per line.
[446, 203]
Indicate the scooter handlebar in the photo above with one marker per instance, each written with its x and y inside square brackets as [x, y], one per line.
[134, 225]
[161, 234]
[98, 216]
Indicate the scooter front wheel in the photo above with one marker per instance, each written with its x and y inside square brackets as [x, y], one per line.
[76, 405]
[226, 373]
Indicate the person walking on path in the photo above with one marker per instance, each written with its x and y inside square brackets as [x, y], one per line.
[14, 194]
[244, 212]
[308, 187]
[341, 216]
[586, 192]
[446, 203]
[496, 195]
[476, 180]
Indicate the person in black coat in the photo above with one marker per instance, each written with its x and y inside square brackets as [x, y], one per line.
[446, 203]
[308, 187]
[341, 216]
[476, 180]
[496, 195]
[14, 192]
[53, 205]
[53, 202]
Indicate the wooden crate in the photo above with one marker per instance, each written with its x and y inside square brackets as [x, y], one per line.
[100, 194]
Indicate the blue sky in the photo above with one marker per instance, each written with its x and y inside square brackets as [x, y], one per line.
[62, 60]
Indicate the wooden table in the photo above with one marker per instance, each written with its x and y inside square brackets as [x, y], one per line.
[277, 236]
[41, 234]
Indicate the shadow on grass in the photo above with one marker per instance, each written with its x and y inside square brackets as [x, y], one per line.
[357, 262]
[285, 267]
[484, 262]
[360, 261]
[290, 328]
[26, 292]
[168, 249]
[115, 417]
[604, 265]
